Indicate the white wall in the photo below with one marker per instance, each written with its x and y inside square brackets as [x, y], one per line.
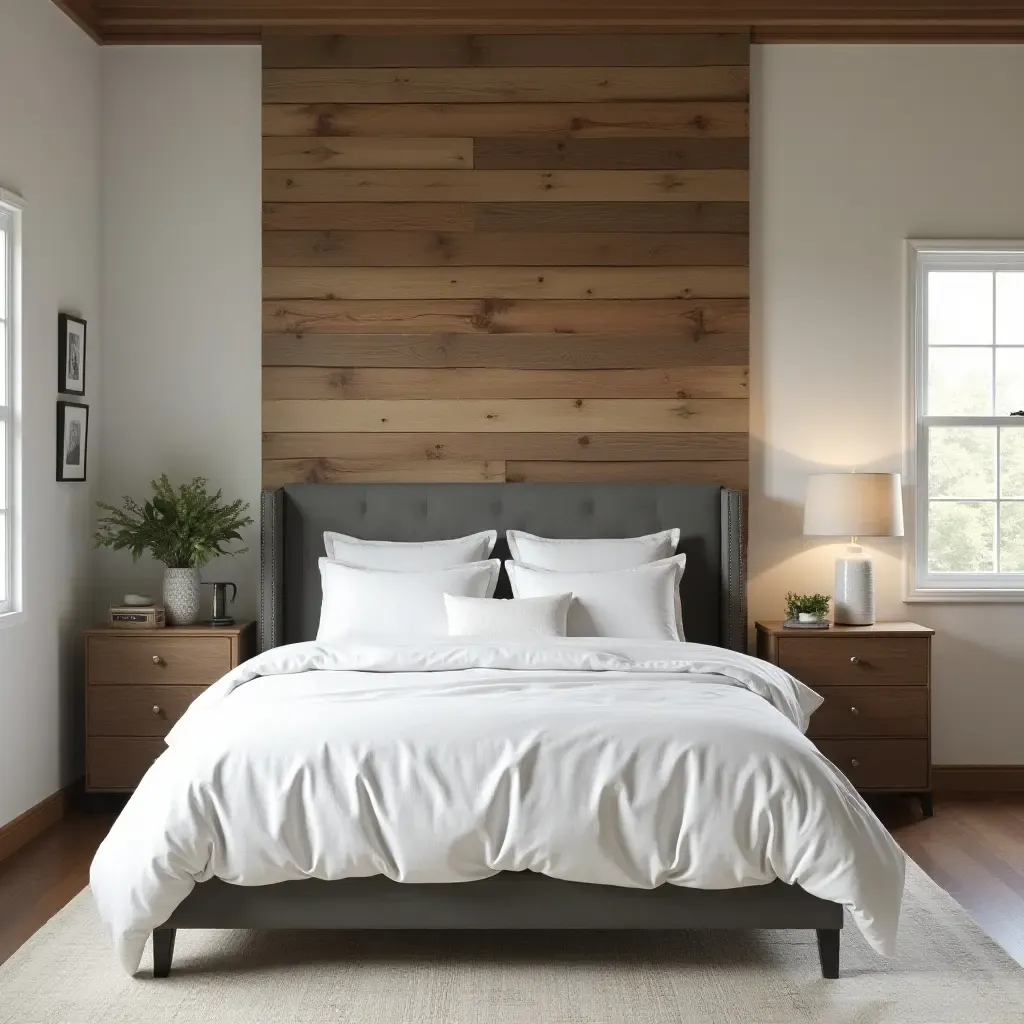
[856, 148]
[181, 264]
[49, 152]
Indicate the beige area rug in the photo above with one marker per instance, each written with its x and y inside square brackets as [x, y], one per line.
[947, 972]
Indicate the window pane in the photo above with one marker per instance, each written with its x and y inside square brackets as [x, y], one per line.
[3, 469]
[3, 557]
[960, 382]
[959, 308]
[962, 462]
[3, 272]
[961, 536]
[1009, 381]
[1011, 536]
[1010, 308]
[4, 400]
[1011, 469]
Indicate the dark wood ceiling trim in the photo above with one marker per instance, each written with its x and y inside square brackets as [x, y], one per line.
[163, 21]
[83, 14]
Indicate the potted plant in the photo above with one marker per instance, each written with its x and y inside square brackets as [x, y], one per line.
[807, 609]
[184, 529]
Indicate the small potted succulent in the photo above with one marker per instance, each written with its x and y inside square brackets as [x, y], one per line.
[184, 529]
[807, 609]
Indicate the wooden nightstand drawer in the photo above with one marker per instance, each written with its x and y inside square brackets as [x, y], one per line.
[119, 762]
[871, 711]
[880, 763]
[138, 710]
[150, 659]
[855, 661]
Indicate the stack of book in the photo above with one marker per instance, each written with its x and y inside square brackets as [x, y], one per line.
[135, 616]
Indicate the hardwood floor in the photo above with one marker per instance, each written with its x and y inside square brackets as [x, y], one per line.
[972, 847]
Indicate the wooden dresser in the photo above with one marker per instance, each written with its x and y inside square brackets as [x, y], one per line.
[139, 683]
[875, 724]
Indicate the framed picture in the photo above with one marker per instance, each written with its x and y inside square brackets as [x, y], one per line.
[71, 353]
[72, 440]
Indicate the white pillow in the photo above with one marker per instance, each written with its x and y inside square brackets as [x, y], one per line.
[406, 556]
[591, 555]
[384, 603]
[507, 620]
[640, 603]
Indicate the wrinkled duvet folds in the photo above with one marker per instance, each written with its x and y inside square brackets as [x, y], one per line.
[618, 762]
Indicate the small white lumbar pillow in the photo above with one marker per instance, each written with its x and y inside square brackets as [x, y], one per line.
[507, 620]
[397, 605]
[600, 554]
[641, 603]
[409, 556]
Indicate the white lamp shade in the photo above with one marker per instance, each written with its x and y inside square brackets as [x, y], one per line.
[854, 505]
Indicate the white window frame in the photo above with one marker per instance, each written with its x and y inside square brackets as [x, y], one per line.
[11, 211]
[922, 257]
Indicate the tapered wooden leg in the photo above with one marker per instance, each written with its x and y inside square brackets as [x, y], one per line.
[927, 807]
[828, 951]
[163, 951]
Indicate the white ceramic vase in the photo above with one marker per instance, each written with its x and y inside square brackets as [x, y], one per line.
[181, 596]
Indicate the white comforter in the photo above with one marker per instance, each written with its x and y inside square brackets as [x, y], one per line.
[609, 761]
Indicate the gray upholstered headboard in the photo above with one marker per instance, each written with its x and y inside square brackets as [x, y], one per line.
[295, 517]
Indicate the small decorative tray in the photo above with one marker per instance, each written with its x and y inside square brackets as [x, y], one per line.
[797, 624]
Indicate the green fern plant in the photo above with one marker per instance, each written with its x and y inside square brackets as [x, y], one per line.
[808, 604]
[183, 528]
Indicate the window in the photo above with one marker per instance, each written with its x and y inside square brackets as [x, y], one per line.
[10, 302]
[967, 412]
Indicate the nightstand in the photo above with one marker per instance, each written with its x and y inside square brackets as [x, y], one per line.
[875, 724]
[138, 683]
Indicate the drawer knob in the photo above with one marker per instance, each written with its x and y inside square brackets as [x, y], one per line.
[854, 762]
[854, 711]
[157, 710]
[855, 660]
[157, 660]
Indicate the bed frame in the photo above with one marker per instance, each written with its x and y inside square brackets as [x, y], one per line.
[713, 594]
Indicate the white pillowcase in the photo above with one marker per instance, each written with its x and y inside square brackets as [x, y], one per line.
[409, 556]
[595, 555]
[507, 620]
[641, 603]
[383, 603]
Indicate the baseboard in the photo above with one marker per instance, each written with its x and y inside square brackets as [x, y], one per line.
[36, 820]
[978, 778]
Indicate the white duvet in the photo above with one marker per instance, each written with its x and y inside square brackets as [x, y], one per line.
[618, 762]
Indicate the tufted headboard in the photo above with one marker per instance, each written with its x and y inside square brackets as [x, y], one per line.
[295, 517]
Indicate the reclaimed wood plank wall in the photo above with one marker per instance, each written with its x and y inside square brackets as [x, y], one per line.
[505, 258]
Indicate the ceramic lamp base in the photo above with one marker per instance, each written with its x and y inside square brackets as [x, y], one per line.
[854, 596]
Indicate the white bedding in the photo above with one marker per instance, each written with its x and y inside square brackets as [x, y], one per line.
[631, 763]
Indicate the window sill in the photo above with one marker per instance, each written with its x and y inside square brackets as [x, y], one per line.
[9, 619]
[993, 596]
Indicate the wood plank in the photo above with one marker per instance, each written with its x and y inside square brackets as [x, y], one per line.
[605, 217]
[510, 316]
[696, 120]
[513, 416]
[288, 154]
[398, 51]
[649, 350]
[319, 383]
[565, 447]
[610, 154]
[503, 85]
[369, 216]
[389, 186]
[725, 474]
[491, 249]
[278, 472]
[505, 282]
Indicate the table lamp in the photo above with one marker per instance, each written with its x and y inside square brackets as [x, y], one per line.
[854, 505]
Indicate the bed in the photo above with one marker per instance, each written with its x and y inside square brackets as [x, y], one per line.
[517, 891]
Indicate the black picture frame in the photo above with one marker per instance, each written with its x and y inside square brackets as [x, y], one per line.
[71, 339]
[72, 451]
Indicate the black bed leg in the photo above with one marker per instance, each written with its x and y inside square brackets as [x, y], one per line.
[828, 951]
[163, 951]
